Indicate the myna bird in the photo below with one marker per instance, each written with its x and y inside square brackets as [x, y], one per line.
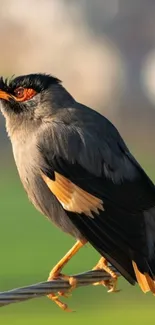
[77, 170]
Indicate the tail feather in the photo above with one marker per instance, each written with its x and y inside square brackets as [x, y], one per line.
[151, 283]
[126, 241]
[144, 280]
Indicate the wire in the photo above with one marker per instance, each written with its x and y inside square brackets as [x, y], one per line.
[44, 288]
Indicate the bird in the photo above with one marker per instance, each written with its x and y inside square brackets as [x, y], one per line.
[78, 171]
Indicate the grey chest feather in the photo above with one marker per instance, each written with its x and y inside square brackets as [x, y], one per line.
[29, 160]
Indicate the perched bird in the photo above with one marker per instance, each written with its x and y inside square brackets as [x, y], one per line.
[77, 170]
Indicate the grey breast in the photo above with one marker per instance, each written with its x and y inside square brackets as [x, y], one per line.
[29, 161]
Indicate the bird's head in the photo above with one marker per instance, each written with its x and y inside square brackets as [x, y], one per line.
[32, 96]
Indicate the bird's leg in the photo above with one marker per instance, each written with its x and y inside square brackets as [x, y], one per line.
[111, 283]
[56, 273]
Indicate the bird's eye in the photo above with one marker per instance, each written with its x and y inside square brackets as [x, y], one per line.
[22, 94]
[19, 92]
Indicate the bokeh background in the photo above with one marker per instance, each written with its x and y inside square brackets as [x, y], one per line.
[104, 51]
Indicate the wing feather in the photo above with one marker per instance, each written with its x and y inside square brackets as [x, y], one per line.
[96, 176]
[72, 197]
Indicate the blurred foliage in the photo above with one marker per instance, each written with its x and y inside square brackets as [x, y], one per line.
[30, 247]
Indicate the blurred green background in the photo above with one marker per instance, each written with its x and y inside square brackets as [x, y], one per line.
[104, 51]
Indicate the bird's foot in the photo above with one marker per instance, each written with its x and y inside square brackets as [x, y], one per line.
[56, 273]
[73, 283]
[111, 284]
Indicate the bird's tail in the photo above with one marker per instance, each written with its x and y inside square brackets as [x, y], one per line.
[122, 240]
[145, 282]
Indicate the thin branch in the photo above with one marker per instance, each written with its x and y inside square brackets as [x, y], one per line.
[45, 288]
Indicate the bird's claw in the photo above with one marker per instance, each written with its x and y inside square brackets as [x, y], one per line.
[112, 290]
[110, 284]
[73, 283]
[62, 305]
[65, 294]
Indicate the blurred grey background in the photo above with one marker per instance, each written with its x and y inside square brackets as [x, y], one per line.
[103, 50]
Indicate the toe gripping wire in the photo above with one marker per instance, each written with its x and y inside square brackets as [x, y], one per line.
[45, 288]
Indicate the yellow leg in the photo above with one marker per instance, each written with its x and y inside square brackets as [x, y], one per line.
[56, 273]
[111, 283]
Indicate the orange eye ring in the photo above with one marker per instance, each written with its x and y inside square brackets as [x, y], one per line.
[22, 94]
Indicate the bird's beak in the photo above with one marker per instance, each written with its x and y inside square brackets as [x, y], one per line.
[4, 95]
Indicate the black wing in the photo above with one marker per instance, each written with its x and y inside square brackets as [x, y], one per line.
[90, 153]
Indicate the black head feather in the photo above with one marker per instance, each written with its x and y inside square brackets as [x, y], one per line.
[4, 85]
[38, 82]
[55, 97]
